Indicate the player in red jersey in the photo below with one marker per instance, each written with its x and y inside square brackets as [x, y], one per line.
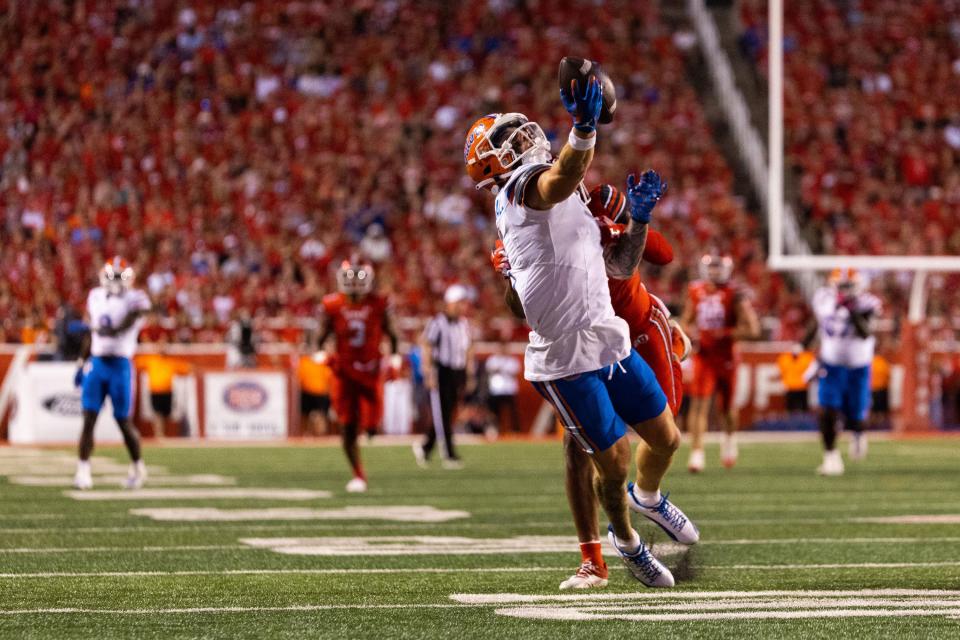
[720, 314]
[657, 338]
[359, 319]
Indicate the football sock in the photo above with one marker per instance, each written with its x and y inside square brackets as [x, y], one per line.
[647, 498]
[358, 471]
[629, 546]
[592, 551]
[83, 466]
[828, 429]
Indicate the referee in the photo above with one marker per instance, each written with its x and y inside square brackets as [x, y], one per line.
[448, 371]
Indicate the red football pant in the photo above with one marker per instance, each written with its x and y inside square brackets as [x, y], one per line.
[358, 403]
[655, 346]
[714, 376]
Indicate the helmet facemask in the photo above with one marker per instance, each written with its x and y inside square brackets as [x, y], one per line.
[116, 279]
[354, 280]
[716, 269]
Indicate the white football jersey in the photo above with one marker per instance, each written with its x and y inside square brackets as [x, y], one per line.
[557, 268]
[839, 343]
[106, 310]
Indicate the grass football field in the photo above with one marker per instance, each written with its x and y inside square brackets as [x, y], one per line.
[262, 542]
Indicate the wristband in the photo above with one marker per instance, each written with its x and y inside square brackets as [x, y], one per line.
[581, 144]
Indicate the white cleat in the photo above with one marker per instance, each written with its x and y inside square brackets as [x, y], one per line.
[588, 576]
[697, 461]
[357, 485]
[453, 464]
[642, 565]
[419, 455]
[858, 446]
[136, 476]
[832, 464]
[666, 516]
[83, 480]
[729, 452]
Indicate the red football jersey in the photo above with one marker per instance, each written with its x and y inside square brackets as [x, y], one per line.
[358, 327]
[715, 311]
[631, 302]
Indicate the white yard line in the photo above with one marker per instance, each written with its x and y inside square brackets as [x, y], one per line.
[562, 613]
[938, 518]
[198, 479]
[600, 597]
[659, 606]
[198, 547]
[838, 565]
[247, 493]
[401, 513]
[411, 570]
[188, 610]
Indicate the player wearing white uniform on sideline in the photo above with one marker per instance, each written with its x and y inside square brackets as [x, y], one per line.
[843, 314]
[579, 356]
[115, 311]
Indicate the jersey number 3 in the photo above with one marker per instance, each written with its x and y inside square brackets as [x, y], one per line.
[358, 333]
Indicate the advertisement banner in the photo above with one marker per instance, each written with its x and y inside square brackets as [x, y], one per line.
[245, 405]
[48, 408]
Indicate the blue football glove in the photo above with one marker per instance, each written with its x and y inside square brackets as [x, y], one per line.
[643, 196]
[583, 103]
[78, 376]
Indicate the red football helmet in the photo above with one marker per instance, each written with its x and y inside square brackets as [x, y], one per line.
[716, 268]
[608, 201]
[355, 278]
[116, 275]
[498, 143]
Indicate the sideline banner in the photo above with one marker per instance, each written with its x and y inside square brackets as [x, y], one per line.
[245, 405]
[48, 408]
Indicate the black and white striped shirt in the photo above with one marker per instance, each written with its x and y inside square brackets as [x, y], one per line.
[449, 339]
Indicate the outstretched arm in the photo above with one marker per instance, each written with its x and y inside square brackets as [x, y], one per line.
[558, 183]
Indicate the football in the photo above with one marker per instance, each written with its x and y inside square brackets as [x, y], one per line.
[580, 69]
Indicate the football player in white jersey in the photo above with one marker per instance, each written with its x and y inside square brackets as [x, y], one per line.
[116, 313]
[844, 315]
[579, 356]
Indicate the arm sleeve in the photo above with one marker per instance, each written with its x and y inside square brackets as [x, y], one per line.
[517, 188]
[140, 301]
[658, 249]
[431, 333]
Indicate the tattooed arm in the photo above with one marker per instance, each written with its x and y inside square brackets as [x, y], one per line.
[623, 257]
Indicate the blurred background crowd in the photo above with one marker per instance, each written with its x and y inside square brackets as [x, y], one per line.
[236, 152]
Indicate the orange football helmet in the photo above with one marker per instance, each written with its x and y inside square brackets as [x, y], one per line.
[116, 275]
[846, 280]
[498, 143]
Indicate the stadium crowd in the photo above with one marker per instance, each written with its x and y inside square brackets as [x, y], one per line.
[234, 153]
[872, 126]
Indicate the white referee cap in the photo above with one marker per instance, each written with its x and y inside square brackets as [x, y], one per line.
[455, 293]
